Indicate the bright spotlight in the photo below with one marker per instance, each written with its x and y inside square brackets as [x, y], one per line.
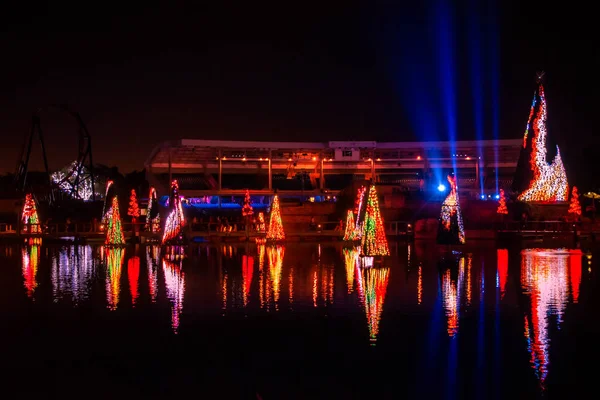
[441, 187]
[483, 197]
[497, 196]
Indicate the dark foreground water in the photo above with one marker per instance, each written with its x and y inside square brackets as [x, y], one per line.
[304, 321]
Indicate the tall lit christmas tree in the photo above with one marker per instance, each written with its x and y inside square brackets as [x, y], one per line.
[175, 219]
[134, 210]
[275, 229]
[114, 231]
[450, 229]
[247, 210]
[359, 208]
[152, 210]
[548, 182]
[502, 204]
[575, 207]
[374, 241]
[30, 216]
[350, 231]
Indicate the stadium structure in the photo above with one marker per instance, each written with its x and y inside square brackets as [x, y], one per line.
[208, 169]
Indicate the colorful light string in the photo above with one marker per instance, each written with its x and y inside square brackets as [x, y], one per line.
[373, 240]
[114, 231]
[30, 216]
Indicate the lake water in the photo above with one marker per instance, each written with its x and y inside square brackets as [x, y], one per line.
[300, 321]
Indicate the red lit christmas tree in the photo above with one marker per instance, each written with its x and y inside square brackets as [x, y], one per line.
[575, 207]
[247, 210]
[175, 219]
[114, 231]
[374, 241]
[134, 210]
[502, 204]
[275, 229]
[30, 216]
[350, 231]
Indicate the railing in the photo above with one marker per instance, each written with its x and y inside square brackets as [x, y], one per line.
[392, 228]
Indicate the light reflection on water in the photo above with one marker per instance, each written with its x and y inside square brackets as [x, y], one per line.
[324, 280]
[545, 280]
[72, 270]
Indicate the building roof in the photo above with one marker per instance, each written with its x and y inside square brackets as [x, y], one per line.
[197, 151]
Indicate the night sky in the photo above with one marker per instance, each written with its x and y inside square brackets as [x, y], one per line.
[312, 71]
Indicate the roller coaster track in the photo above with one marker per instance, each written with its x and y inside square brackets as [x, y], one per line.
[77, 173]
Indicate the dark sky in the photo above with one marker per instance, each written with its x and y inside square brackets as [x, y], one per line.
[309, 71]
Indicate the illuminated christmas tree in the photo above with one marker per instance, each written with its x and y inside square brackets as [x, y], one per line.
[451, 230]
[548, 182]
[134, 210]
[350, 231]
[247, 210]
[30, 216]
[575, 207]
[374, 241]
[275, 229]
[359, 212]
[175, 219]
[502, 204]
[114, 231]
[152, 210]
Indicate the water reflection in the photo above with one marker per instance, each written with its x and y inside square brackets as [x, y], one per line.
[247, 273]
[30, 258]
[545, 279]
[502, 272]
[175, 286]
[133, 275]
[270, 277]
[114, 264]
[152, 258]
[72, 272]
[351, 262]
[454, 286]
[372, 288]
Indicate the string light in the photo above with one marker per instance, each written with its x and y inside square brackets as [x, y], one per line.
[375, 283]
[549, 183]
[134, 210]
[175, 219]
[451, 230]
[358, 211]
[71, 175]
[114, 232]
[350, 231]
[275, 229]
[374, 241]
[151, 200]
[261, 222]
[502, 203]
[247, 210]
[575, 207]
[528, 127]
[30, 216]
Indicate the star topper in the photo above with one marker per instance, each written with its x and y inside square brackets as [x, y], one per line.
[540, 76]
